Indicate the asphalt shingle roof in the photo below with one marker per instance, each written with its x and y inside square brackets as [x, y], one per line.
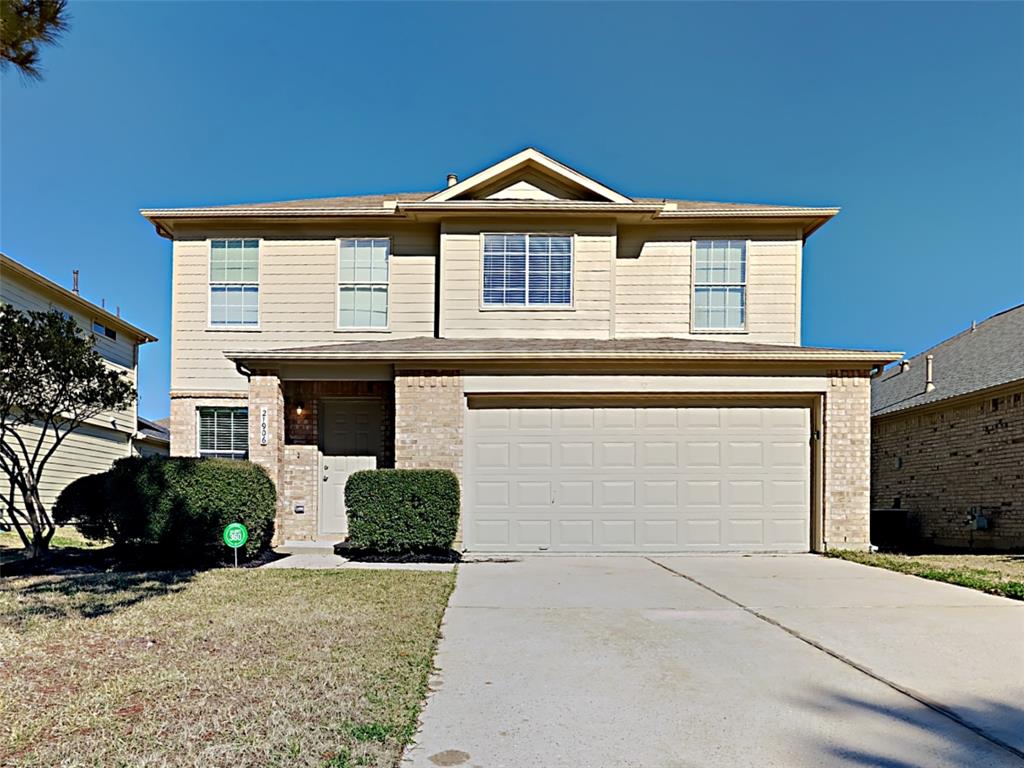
[497, 348]
[990, 355]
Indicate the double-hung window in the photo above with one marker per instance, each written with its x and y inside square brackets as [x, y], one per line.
[224, 433]
[363, 271]
[527, 270]
[720, 285]
[235, 283]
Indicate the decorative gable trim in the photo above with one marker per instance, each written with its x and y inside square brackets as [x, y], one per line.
[528, 157]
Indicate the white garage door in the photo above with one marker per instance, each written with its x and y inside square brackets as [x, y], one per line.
[579, 479]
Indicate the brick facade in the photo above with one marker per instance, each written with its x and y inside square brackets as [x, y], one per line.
[847, 460]
[938, 463]
[429, 420]
[183, 423]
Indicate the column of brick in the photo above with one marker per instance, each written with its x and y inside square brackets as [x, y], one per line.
[847, 460]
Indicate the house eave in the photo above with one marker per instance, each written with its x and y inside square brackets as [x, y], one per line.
[867, 359]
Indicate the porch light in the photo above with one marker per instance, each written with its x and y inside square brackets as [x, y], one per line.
[299, 406]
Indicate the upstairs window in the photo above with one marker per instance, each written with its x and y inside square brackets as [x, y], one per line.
[224, 433]
[363, 276]
[720, 285]
[235, 283]
[99, 329]
[527, 270]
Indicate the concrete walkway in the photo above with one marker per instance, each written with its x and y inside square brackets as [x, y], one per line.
[721, 661]
[326, 562]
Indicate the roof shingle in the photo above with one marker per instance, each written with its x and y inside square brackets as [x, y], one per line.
[989, 355]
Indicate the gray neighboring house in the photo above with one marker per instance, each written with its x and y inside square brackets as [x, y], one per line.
[152, 438]
[947, 430]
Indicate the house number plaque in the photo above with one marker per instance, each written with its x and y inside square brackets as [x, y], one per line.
[264, 429]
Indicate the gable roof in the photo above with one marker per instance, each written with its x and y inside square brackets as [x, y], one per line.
[430, 206]
[988, 355]
[525, 158]
[72, 299]
[154, 430]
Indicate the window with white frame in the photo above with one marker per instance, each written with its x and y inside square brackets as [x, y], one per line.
[363, 275]
[527, 270]
[235, 283]
[224, 433]
[720, 285]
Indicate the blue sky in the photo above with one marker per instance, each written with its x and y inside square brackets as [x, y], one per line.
[909, 116]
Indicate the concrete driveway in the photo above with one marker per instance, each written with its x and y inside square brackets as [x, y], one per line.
[721, 661]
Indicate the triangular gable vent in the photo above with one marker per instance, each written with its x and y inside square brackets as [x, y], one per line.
[529, 175]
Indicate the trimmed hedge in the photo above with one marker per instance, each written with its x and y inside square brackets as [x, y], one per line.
[172, 509]
[395, 511]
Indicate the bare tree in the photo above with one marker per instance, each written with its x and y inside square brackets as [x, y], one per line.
[52, 381]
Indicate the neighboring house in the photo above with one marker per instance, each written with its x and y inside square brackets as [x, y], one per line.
[947, 431]
[152, 438]
[110, 436]
[603, 372]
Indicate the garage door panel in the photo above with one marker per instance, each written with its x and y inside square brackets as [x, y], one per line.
[654, 479]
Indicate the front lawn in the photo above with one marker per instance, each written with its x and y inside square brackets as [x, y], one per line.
[219, 668]
[996, 574]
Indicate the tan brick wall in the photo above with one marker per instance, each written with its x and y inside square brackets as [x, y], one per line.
[847, 460]
[940, 463]
[299, 486]
[265, 392]
[183, 422]
[428, 420]
[303, 429]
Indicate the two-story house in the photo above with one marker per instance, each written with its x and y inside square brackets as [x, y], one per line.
[110, 435]
[603, 372]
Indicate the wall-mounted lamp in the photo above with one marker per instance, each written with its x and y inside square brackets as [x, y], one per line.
[299, 407]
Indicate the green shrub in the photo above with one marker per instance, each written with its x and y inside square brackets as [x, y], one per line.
[173, 510]
[83, 504]
[402, 510]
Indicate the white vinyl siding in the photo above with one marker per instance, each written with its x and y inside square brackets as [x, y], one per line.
[224, 433]
[234, 283]
[363, 283]
[527, 270]
[720, 285]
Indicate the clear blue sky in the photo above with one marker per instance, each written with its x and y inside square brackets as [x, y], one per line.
[909, 116]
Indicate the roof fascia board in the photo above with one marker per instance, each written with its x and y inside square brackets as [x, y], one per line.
[526, 156]
[83, 305]
[868, 358]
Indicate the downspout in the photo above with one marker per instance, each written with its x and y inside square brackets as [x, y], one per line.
[242, 370]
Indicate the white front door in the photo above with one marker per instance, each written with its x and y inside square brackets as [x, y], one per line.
[350, 439]
[335, 471]
[578, 479]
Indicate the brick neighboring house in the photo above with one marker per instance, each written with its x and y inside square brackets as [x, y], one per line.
[947, 461]
[603, 372]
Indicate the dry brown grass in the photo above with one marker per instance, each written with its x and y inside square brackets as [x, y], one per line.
[996, 574]
[221, 668]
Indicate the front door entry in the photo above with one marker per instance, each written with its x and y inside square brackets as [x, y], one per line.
[350, 440]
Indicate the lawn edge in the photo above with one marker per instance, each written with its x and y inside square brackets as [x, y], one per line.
[412, 726]
[1010, 589]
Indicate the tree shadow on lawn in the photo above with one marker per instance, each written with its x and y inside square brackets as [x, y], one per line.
[942, 740]
[86, 595]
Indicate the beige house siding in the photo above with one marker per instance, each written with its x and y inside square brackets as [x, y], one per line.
[462, 312]
[653, 283]
[85, 451]
[120, 354]
[298, 299]
[938, 463]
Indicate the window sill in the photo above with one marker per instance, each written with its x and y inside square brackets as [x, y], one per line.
[734, 331]
[234, 329]
[362, 330]
[527, 308]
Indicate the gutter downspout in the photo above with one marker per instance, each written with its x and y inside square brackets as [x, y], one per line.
[243, 371]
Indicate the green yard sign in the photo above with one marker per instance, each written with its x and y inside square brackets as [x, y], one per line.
[235, 536]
